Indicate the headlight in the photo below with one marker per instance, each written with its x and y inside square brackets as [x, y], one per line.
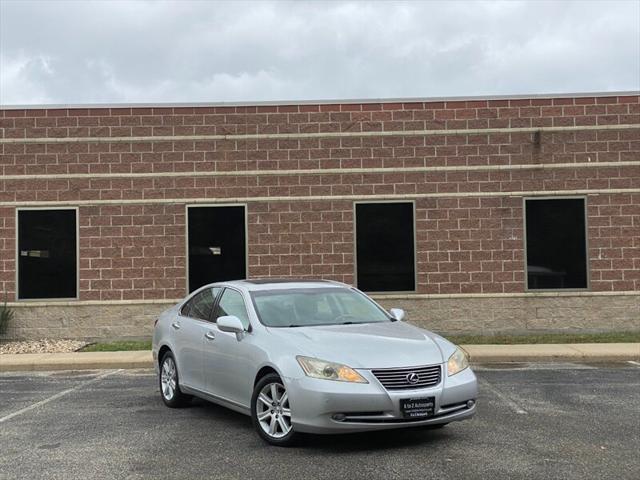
[329, 371]
[457, 362]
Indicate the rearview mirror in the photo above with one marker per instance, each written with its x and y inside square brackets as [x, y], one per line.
[230, 323]
[397, 313]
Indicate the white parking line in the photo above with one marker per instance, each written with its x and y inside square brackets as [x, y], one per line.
[56, 396]
[637, 364]
[513, 405]
[135, 373]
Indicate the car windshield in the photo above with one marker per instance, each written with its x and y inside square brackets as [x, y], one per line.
[315, 306]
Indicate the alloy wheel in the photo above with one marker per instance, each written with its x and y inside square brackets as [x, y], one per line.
[168, 378]
[273, 411]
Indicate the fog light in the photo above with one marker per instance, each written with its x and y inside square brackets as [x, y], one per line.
[471, 403]
[339, 417]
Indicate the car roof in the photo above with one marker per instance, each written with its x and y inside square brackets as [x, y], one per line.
[282, 284]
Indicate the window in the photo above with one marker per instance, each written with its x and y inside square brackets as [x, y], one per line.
[47, 254]
[385, 247]
[232, 303]
[200, 305]
[556, 243]
[216, 248]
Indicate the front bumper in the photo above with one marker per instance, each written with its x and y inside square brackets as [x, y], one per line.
[316, 402]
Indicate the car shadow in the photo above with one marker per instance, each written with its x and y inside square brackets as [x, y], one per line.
[333, 443]
[376, 440]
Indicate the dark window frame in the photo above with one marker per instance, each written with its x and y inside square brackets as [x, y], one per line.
[186, 234]
[586, 243]
[76, 211]
[412, 202]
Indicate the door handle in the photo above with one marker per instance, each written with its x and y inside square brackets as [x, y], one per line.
[210, 336]
[176, 325]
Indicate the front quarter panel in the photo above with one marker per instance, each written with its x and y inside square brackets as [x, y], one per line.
[280, 356]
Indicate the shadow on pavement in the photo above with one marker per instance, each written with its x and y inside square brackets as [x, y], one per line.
[349, 442]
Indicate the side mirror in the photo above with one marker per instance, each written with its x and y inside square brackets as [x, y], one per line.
[230, 323]
[397, 313]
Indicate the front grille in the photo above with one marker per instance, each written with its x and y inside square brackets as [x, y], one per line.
[398, 378]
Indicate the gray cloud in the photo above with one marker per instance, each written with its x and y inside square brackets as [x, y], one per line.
[206, 51]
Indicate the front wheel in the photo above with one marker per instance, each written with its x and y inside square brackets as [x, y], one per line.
[271, 412]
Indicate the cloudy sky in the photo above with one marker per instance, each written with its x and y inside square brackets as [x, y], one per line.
[212, 51]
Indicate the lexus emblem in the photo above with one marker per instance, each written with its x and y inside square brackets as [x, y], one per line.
[413, 378]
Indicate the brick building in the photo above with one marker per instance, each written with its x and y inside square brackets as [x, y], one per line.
[478, 215]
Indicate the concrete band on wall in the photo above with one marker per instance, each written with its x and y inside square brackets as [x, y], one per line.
[321, 135]
[471, 314]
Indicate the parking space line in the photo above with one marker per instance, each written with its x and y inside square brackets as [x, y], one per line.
[513, 405]
[57, 395]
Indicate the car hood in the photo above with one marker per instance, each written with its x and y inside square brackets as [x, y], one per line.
[367, 345]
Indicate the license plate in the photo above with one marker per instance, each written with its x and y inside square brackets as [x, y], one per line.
[417, 407]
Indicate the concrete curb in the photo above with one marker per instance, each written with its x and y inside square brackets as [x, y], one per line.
[75, 361]
[578, 352]
[575, 352]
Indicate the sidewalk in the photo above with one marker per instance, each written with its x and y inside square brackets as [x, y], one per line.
[575, 352]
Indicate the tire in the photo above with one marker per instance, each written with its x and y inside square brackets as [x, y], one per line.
[169, 383]
[271, 415]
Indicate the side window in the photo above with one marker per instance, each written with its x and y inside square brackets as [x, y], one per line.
[184, 311]
[232, 303]
[200, 306]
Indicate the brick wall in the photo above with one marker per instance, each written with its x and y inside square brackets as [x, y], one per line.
[464, 245]
[365, 117]
[7, 253]
[519, 148]
[299, 168]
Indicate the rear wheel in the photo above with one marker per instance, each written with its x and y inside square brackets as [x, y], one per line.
[170, 391]
[271, 411]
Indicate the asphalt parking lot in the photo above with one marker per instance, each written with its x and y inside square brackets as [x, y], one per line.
[534, 421]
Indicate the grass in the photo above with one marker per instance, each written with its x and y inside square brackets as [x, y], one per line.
[612, 337]
[117, 346]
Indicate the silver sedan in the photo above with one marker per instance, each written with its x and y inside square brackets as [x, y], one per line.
[309, 356]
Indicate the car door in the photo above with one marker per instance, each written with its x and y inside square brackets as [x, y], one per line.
[190, 327]
[227, 356]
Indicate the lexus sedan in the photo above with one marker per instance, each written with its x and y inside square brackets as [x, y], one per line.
[309, 356]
